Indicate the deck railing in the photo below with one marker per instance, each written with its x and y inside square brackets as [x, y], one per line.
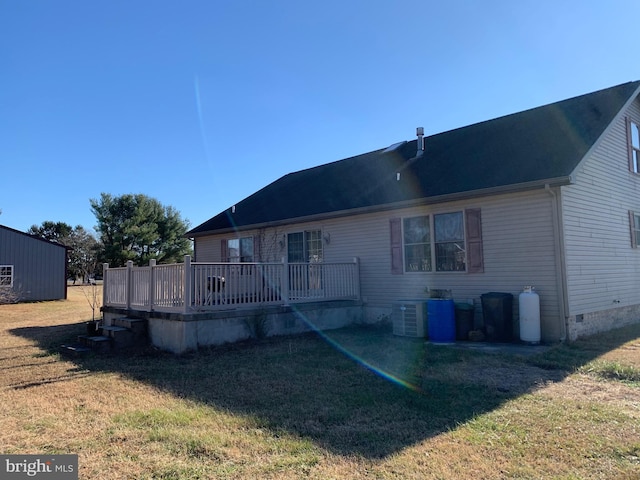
[198, 286]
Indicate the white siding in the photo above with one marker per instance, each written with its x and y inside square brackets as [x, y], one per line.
[603, 271]
[518, 248]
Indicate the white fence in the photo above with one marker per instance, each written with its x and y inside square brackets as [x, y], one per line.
[195, 286]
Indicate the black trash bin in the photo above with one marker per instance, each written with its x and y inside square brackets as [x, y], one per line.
[497, 310]
[464, 320]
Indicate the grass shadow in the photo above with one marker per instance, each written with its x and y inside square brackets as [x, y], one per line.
[50, 338]
[355, 391]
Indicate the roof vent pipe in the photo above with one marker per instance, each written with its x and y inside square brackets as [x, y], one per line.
[420, 134]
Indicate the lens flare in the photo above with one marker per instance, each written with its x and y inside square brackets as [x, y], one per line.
[351, 355]
[205, 144]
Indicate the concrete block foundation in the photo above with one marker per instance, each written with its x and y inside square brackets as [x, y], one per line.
[180, 332]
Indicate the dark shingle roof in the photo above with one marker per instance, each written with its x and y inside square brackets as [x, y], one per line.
[543, 143]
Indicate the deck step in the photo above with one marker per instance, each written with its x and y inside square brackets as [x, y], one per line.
[137, 325]
[125, 333]
[75, 350]
[98, 343]
[110, 330]
[122, 337]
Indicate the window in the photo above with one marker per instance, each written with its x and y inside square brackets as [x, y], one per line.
[240, 249]
[449, 242]
[634, 146]
[6, 275]
[446, 242]
[417, 244]
[304, 247]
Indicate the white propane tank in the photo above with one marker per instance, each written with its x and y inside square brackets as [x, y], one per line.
[529, 303]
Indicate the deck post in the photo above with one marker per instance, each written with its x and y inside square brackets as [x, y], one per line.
[129, 288]
[105, 268]
[356, 261]
[187, 283]
[152, 283]
[284, 282]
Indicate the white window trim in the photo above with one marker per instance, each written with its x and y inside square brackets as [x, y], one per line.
[11, 275]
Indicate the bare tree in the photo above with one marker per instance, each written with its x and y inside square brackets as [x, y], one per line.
[270, 249]
[94, 298]
[9, 295]
[271, 244]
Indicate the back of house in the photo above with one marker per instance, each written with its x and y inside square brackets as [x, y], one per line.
[545, 197]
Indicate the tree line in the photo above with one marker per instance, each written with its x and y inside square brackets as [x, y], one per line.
[129, 227]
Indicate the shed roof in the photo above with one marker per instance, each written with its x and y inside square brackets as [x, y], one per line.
[533, 147]
[33, 237]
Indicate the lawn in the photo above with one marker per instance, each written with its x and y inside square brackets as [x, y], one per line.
[353, 403]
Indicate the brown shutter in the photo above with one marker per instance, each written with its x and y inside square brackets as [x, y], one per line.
[632, 226]
[475, 260]
[224, 251]
[629, 148]
[396, 246]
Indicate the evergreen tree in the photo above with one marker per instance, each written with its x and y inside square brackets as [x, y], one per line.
[139, 228]
[83, 247]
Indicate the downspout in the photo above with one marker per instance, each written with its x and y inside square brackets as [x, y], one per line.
[558, 244]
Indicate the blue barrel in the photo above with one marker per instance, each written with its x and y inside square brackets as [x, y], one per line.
[442, 320]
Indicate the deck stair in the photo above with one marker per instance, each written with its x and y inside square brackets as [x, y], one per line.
[124, 333]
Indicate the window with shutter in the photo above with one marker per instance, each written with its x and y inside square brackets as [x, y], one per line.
[454, 246]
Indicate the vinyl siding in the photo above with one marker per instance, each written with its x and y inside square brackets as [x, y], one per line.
[39, 266]
[518, 248]
[603, 270]
[207, 249]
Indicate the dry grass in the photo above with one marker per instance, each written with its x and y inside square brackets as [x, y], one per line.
[357, 403]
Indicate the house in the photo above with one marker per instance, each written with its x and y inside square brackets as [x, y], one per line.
[548, 197]
[31, 268]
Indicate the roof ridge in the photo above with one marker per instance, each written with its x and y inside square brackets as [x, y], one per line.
[539, 107]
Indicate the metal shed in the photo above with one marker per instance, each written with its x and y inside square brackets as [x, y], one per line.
[32, 268]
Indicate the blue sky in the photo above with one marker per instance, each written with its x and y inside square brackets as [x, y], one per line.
[200, 103]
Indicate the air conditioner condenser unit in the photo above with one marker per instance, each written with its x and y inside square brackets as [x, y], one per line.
[409, 318]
